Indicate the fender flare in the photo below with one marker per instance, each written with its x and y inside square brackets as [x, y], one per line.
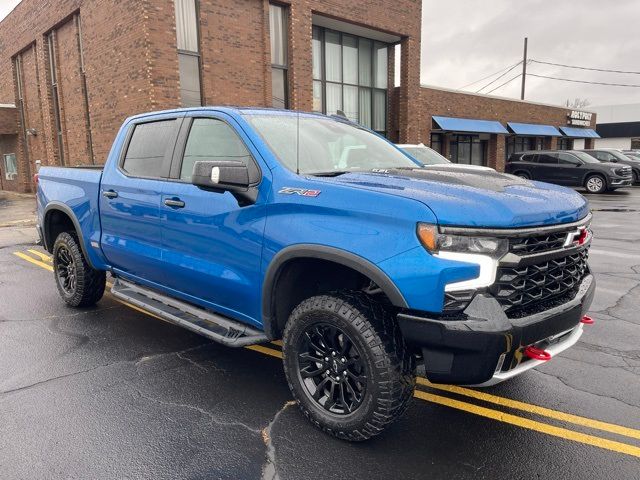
[321, 252]
[61, 207]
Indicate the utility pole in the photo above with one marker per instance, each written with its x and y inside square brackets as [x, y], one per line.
[524, 68]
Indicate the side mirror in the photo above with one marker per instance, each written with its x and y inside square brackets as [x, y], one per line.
[614, 160]
[225, 175]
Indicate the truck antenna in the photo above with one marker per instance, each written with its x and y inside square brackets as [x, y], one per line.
[298, 143]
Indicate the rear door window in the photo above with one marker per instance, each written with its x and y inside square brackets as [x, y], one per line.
[567, 159]
[150, 149]
[529, 158]
[548, 158]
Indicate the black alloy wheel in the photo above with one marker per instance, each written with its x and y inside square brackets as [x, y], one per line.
[331, 369]
[79, 284]
[66, 271]
[347, 364]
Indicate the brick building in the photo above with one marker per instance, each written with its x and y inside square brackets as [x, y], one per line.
[72, 70]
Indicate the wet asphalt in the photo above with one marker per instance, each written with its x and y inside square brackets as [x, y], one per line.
[110, 392]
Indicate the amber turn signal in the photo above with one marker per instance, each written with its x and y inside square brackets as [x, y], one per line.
[428, 235]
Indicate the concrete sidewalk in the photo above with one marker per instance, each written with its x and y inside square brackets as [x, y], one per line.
[17, 218]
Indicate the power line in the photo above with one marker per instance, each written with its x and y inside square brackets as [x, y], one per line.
[488, 76]
[584, 81]
[503, 84]
[498, 78]
[586, 68]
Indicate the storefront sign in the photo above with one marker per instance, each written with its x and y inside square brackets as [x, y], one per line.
[578, 118]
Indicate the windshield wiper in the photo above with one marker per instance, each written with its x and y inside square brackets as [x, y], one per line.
[331, 173]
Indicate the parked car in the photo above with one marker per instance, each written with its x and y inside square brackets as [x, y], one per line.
[240, 225]
[617, 156]
[569, 167]
[428, 156]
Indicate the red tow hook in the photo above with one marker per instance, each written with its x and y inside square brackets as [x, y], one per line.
[587, 320]
[537, 354]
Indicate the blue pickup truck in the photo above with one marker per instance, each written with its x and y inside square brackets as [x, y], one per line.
[249, 225]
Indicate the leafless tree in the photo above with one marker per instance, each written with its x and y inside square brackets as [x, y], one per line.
[578, 103]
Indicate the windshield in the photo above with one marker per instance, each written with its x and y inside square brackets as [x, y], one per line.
[585, 157]
[620, 156]
[326, 145]
[425, 155]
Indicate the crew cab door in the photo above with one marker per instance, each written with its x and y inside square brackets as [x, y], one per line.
[130, 192]
[212, 244]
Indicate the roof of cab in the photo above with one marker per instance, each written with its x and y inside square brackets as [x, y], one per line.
[229, 110]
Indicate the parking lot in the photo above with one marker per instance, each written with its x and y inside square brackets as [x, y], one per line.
[112, 392]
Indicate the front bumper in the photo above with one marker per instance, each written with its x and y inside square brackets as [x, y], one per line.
[487, 346]
[621, 182]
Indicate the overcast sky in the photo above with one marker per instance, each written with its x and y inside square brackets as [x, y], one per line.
[465, 40]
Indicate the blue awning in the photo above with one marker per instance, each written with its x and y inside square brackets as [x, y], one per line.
[579, 132]
[468, 125]
[533, 129]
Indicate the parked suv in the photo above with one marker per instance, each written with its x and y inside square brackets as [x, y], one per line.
[571, 168]
[429, 157]
[611, 155]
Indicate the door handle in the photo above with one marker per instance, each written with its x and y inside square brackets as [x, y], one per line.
[174, 202]
[110, 194]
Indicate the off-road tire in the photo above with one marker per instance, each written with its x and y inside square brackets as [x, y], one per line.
[89, 283]
[390, 367]
[590, 189]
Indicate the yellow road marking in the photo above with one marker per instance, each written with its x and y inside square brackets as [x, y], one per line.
[531, 424]
[43, 257]
[277, 342]
[547, 412]
[33, 260]
[265, 350]
[475, 409]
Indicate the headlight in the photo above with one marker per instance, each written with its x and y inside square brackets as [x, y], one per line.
[436, 242]
[619, 171]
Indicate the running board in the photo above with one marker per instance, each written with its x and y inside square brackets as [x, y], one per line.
[216, 327]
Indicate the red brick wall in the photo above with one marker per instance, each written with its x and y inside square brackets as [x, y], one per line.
[74, 121]
[8, 120]
[433, 101]
[132, 65]
[457, 104]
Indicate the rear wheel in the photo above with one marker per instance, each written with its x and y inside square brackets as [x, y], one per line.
[347, 365]
[79, 284]
[523, 175]
[595, 184]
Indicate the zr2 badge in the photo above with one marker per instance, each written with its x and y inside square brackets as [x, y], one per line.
[299, 191]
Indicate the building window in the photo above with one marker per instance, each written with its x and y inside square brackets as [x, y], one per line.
[350, 74]
[635, 143]
[10, 166]
[468, 150]
[55, 94]
[565, 144]
[188, 52]
[436, 142]
[515, 144]
[279, 55]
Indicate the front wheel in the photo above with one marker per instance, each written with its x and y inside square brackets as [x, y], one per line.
[347, 365]
[79, 284]
[595, 184]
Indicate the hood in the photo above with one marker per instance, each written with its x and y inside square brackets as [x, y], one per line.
[475, 198]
